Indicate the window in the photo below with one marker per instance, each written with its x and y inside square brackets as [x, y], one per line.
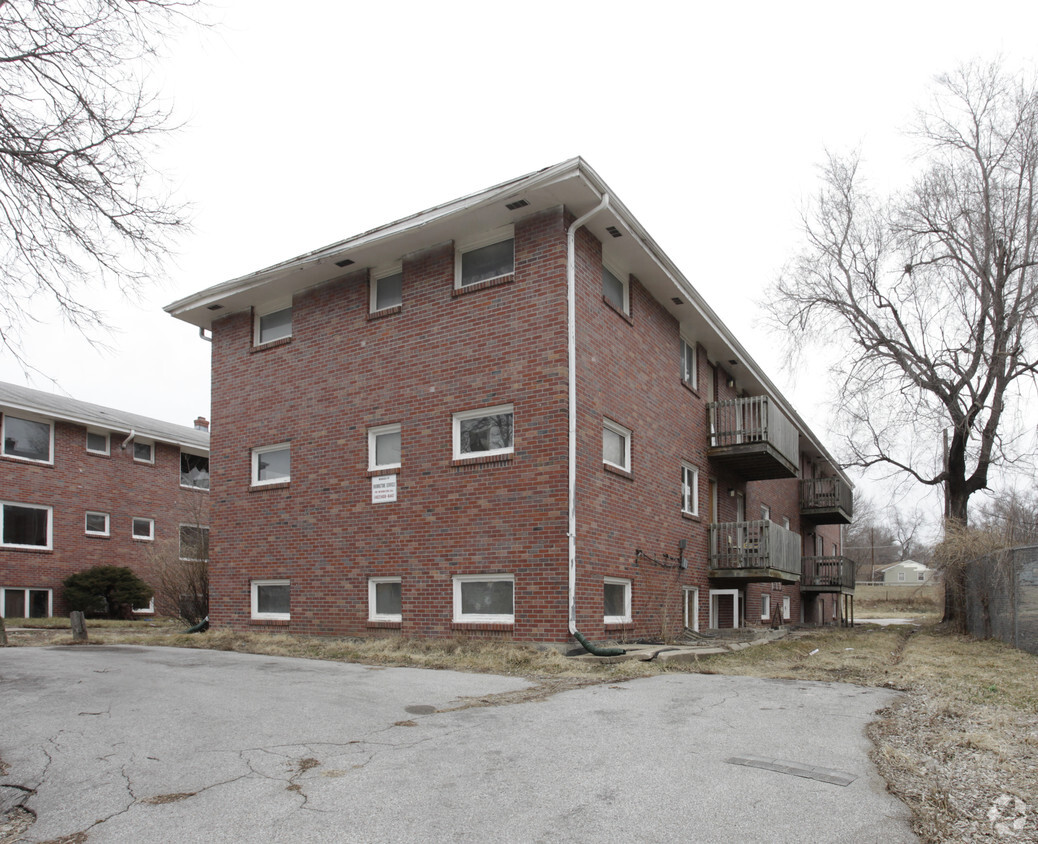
[387, 290]
[765, 607]
[143, 452]
[272, 322]
[785, 522]
[922, 576]
[484, 598]
[28, 439]
[271, 464]
[25, 526]
[97, 442]
[194, 470]
[900, 575]
[148, 610]
[616, 601]
[491, 256]
[26, 603]
[143, 528]
[484, 432]
[689, 489]
[270, 599]
[96, 524]
[616, 445]
[688, 364]
[384, 599]
[765, 513]
[194, 542]
[615, 290]
[384, 447]
[785, 607]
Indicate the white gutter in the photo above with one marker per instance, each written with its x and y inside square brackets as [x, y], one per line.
[571, 353]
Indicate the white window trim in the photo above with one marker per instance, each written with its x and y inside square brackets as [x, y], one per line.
[28, 417]
[626, 617]
[900, 576]
[108, 441]
[765, 607]
[108, 524]
[376, 277]
[25, 599]
[148, 610]
[478, 242]
[459, 616]
[625, 284]
[256, 452]
[690, 491]
[151, 529]
[285, 303]
[373, 614]
[50, 526]
[765, 513]
[692, 381]
[786, 607]
[617, 428]
[373, 434]
[465, 415]
[281, 616]
[180, 542]
[151, 445]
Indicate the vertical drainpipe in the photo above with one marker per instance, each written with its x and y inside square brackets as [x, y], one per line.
[571, 361]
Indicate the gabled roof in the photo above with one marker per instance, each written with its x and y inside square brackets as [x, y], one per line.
[14, 398]
[909, 563]
[572, 184]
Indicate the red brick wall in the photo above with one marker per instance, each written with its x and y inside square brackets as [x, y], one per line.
[115, 484]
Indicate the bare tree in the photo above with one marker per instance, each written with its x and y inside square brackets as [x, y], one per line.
[79, 204]
[930, 295]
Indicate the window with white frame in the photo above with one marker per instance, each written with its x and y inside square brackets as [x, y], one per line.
[97, 442]
[143, 451]
[143, 528]
[689, 489]
[484, 598]
[616, 601]
[25, 526]
[616, 445]
[384, 447]
[484, 432]
[485, 258]
[194, 542]
[194, 470]
[28, 439]
[146, 610]
[614, 288]
[272, 322]
[689, 369]
[271, 464]
[785, 522]
[900, 575]
[384, 599]
[922, 576]
[387, 289]
[765, 513]
[785, 607]
[96, 524]
[765, 607]
[271, 599]
[26, 603]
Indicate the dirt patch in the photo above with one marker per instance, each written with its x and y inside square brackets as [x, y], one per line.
[14, 823]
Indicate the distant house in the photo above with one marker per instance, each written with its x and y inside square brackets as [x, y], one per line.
[907, 572]
[83, 485]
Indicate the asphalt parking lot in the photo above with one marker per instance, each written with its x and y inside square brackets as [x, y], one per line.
[120, 744]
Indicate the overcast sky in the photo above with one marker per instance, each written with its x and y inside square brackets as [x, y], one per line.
[310, 122]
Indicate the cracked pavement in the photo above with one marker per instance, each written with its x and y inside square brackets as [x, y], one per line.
[114, 744]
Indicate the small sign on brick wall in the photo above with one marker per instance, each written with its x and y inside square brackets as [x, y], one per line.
[383, 489]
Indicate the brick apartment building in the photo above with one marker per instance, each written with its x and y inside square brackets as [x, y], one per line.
[83, 485]
[392, 442]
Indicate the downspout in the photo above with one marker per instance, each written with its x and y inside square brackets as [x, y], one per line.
[571, 359]
[129, 439]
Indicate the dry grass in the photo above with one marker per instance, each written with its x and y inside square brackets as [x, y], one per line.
[960, 747]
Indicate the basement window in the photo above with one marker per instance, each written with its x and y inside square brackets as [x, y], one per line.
[384, 599]
[26, 603]
[484, 598]
[270, 599]
[765, 607]
[616, 600]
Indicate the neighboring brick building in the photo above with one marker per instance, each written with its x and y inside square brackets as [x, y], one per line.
[83, 485]
[391, 442]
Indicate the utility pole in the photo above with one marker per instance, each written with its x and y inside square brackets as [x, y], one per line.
[872, 543]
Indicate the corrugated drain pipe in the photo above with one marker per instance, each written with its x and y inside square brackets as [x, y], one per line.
[571, 353]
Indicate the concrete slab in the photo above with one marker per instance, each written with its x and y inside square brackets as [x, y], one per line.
[166, 745]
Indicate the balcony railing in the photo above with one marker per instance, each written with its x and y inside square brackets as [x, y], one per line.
[754, 437]
[754, 550]
[828, 574]
[826, 501]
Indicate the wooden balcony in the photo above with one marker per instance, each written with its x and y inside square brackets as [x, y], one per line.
[753, 437]
[828, 574]
[754, 551]
[826, 501]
